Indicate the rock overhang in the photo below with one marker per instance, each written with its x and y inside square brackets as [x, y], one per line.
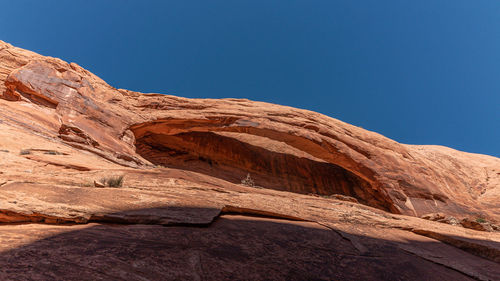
[90, 115]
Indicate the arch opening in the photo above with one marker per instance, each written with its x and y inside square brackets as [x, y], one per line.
[272, 164]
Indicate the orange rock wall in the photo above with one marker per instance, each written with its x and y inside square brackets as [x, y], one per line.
[281, 147]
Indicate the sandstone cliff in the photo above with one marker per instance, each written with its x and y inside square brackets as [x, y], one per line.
[281, 147]
[183, 160]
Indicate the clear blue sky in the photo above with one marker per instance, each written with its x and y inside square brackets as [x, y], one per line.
[419, 72]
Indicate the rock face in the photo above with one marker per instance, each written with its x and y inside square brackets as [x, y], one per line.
[63, 130]
[282, 148]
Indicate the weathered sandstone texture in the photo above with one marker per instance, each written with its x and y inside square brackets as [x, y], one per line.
[331, 201]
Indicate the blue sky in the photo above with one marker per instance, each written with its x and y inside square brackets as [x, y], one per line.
[419, 72]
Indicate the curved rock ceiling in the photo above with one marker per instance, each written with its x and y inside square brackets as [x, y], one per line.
[271, 164]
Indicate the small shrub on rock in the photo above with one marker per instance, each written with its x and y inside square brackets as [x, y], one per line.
[481, 220]
[113, 181]
[248, 181]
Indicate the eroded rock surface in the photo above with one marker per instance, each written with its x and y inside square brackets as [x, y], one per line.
[331, 200]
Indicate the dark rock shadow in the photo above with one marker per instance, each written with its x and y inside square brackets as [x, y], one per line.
[230, 159]
[233, 247]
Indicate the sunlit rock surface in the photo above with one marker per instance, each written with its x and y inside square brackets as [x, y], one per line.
[182, 212]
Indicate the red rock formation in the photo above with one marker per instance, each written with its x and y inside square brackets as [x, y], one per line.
[62, 130]
[282, 148]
